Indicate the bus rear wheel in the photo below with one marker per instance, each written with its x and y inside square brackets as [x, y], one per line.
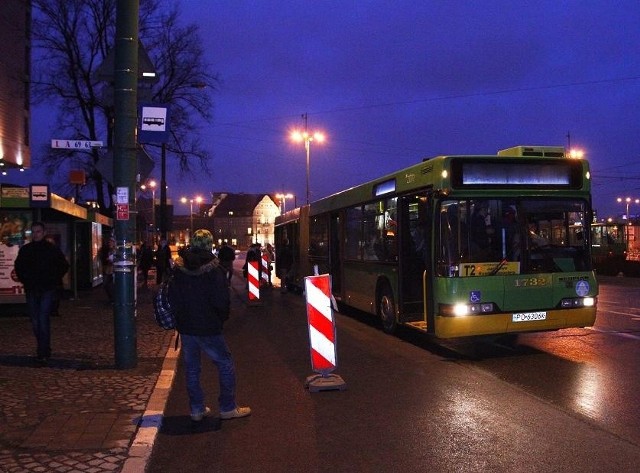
[387, 309]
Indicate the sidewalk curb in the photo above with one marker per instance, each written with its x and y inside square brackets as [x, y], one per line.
[151, 420]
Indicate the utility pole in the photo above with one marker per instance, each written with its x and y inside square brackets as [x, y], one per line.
[124, 171]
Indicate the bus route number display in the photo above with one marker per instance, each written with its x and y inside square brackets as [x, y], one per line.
[489, 269]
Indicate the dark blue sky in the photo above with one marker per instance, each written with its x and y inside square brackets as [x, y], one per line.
[391, 82]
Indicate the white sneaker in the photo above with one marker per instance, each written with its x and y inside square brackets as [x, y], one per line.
[237, 412]
[199, 417]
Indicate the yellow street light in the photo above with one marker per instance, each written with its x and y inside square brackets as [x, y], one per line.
[576, 153]
[283, 201]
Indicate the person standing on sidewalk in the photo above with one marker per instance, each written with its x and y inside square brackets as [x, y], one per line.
[107, 254]
[145, 262]
[163, 261]
[284, 262]
[40, 265]
[199, 292]
[270, 256]
[227, 255]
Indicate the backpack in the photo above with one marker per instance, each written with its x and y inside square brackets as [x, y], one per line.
[165, 316]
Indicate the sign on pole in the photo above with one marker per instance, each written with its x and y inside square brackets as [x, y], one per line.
[75, 144]
[153, 125]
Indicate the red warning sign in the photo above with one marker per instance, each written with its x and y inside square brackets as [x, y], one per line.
[122, 211]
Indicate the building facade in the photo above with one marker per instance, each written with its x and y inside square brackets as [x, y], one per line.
[243, 219]
[15, 67]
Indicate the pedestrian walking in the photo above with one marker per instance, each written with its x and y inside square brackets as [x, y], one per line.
[40, 266]
[227, 255]
[145, 262]
[163, 261]
[107, 254]
[270, 255]
[284, 263]
[199, 292]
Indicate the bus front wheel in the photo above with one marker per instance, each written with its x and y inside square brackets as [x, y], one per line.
[387, 308]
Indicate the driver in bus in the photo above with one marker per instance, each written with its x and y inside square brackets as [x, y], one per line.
[481, 232]
[537, 240]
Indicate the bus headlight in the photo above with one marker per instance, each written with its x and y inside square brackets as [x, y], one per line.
[460, 310]
[573, 302]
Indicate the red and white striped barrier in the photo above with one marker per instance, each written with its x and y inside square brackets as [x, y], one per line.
[322, 335]
[253, 278]
[265, 269]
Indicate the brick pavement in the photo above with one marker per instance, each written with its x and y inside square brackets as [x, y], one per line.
[80, 413]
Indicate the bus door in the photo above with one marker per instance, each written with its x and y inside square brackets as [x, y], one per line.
[415, 230]
[335, 255]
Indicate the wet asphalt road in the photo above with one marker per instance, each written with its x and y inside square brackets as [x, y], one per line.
[558, 401]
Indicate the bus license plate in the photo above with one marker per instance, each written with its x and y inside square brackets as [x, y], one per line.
[528, 316]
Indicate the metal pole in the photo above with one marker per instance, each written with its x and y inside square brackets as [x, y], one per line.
[163, 193]
[153, 216]
[307, 145]
[125, 123]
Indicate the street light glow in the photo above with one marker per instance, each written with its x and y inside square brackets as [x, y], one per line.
[627, 201]
[283, 200]
[576, 153]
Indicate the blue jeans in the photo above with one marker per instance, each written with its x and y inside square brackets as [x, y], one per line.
[40, 305]
[215, 348]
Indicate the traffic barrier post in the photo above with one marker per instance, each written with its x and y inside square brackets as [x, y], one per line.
[322, 335]
[253, 279]
[265, 269]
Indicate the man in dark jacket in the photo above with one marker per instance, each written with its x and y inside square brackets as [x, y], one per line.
[163, 261]
[40, 266]
[227, 255]
[199, 292]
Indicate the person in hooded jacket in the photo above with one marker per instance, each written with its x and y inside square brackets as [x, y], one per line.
[199, 292]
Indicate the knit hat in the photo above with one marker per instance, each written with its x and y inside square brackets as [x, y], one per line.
[202, 239]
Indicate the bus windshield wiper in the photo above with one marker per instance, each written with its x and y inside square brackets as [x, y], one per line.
[498, 268]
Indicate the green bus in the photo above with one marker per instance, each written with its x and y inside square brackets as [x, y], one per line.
[608, 243]
[457, 246]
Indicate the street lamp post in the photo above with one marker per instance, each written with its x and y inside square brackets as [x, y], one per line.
[627, 201]
[307, 137]
[152, 185]
[184, 200]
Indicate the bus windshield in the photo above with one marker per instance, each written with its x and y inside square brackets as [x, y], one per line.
[485, 237]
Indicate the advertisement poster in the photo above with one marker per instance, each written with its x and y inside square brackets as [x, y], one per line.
[13, 224]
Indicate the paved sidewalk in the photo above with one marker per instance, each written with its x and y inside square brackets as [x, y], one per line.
[79, 413]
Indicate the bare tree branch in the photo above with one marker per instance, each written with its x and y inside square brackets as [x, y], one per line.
[71, 40]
